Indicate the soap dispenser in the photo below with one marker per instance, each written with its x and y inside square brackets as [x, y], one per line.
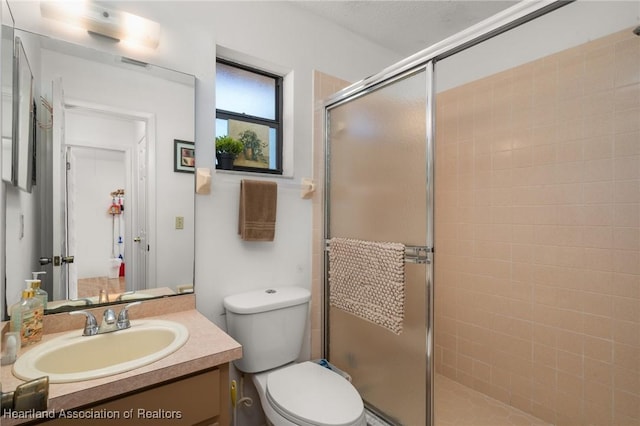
[26, 317]
[36, 285]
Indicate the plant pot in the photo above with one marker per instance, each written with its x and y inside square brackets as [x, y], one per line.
[225, 160]
[248, 154]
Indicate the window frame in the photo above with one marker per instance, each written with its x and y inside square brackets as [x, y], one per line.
[275, 123]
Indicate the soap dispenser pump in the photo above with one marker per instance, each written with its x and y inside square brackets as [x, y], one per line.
[36, 285]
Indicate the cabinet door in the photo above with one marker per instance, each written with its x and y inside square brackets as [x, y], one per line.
[195, 400]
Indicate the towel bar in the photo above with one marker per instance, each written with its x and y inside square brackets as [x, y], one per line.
[417, 254]
[412, 254]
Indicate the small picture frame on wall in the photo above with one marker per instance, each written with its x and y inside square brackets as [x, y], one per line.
[184, 156]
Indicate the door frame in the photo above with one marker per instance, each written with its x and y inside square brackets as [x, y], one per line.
[53, 216]
[128, 152]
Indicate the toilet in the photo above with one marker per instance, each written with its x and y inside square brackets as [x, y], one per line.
[270, 326]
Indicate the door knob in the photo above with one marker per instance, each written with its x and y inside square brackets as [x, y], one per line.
[67, 259]
[45, 260]
[137, 239]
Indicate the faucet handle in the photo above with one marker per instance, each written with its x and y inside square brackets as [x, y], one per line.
[123, 316]
[90, 325]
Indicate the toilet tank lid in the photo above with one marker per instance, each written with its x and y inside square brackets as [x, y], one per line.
[266, 300]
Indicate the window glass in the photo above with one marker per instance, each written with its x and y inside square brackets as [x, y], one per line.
[245, 92]
[260, 143]
[249, 109]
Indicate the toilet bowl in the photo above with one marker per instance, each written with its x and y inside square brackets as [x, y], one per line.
[307, 394]
[270, 325]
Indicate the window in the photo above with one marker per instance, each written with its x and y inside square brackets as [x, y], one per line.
[249, 109]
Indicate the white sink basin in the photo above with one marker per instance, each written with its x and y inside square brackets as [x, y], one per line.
[72, 357]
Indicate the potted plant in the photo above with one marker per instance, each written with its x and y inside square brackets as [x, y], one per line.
[252, 145]
[227, 149]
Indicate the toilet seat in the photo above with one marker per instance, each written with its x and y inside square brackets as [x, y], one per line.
[308, 394]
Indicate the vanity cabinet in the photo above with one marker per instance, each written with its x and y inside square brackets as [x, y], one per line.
[201, 400]
[192, 383]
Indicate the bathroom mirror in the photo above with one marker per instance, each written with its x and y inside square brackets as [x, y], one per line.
[101, 115]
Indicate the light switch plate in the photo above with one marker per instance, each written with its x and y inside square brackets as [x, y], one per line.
[179, 222]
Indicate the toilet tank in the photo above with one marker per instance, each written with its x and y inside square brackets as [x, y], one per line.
[269, 324]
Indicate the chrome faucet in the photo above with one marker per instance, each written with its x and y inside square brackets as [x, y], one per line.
[109, 321]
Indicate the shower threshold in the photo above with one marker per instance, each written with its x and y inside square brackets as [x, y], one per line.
[373, 420]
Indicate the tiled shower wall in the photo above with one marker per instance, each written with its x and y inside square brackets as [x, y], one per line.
[537, 233]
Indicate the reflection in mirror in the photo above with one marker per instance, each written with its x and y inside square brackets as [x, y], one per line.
[7, 102]
[101, 221]
[23, 134]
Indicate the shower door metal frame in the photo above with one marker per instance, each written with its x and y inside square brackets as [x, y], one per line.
[426, 59]
[427, 250]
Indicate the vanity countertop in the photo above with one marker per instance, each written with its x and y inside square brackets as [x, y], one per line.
[208, 346]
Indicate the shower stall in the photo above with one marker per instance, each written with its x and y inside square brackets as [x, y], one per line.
[507, 160]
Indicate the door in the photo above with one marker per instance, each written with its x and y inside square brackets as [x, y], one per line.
[378, 191]
[111, 155]
[96, 152]
[95, 231]
[140, 241]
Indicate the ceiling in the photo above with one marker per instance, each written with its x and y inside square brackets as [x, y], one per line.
[405, 26]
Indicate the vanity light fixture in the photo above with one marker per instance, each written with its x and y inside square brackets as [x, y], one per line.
[98, 19]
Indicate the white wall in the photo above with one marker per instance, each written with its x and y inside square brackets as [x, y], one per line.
[282, 37]
[21, 231]
[21, 216]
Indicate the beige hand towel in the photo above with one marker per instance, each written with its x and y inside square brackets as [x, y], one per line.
[257, 218]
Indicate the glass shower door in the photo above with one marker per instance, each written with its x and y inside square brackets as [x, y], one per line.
[377, 191]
